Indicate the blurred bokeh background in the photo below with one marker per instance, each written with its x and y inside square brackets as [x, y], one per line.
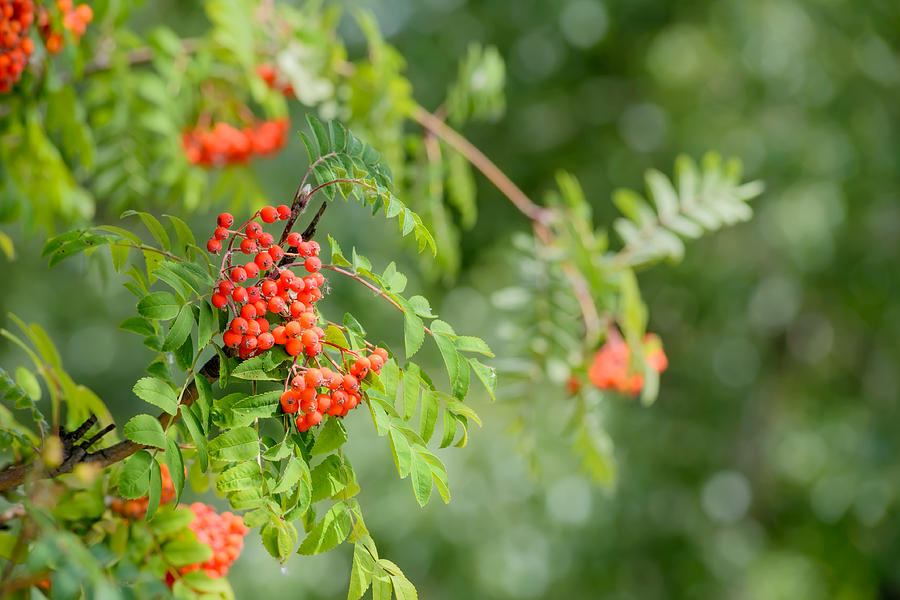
[767, 469]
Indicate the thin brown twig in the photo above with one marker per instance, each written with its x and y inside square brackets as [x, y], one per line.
[310, 230]
[481, 162]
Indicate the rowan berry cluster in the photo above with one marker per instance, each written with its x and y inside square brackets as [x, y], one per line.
[136, 509]
[224, 533]
[223, 144]
[16, 17]
[610, 369]
[275, 80]
[74, 18]
[276, 306]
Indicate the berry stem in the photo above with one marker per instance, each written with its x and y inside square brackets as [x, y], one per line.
[148, 249]
[356, 277]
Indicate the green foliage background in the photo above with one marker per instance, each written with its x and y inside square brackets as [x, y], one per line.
[767, 468]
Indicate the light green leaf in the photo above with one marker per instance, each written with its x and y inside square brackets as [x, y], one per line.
[328, 478]
[237, 444]
[181, 553]
[332, 437]
[146, 430]
[242, 476]
[207, 326]
[420, 473]
[159, 306]
[487, 375]
[155, 491]
[360, 572]
[402, 453]
[428, 415]
[175, 462]
[468, 343]
[134, 481]
[295, 472]
[157, 392]
[329, 532]
[179, 330]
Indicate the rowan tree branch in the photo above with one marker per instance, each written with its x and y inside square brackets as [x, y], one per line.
[15, 475]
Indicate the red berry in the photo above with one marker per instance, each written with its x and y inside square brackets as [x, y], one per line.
[313, 349]
[248, 311]
[265, 340]
[239, 325]
[305, 249]
[268, 288]
[314, 418]
[249, 342]
[261, 307]
[314, 246]
[297, 285]
[213, 246]
[292, 329]
[225, 287]
[219, 300]
[225, 220]
[276, 304]
[253, 230]
[252, 270]
[220, 233]
[276, 252]
[297, 308]
[268, 214]
[309, 337]
[248, 246]
[301, 423]
[361, 367]
[309, 405]
[323, 401]
[239, 275]
[265, 240]
[294, 239]
[264, 261]
[350, 383]
[280, 336]
[313, 377]
[284, 212]
[376, 361]
[240, 295]
[313, 264]
[263, 324]
[293, 347]
[253, 327]
[231, 339]
[253, 293]
[289, 402]
[298, 383]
